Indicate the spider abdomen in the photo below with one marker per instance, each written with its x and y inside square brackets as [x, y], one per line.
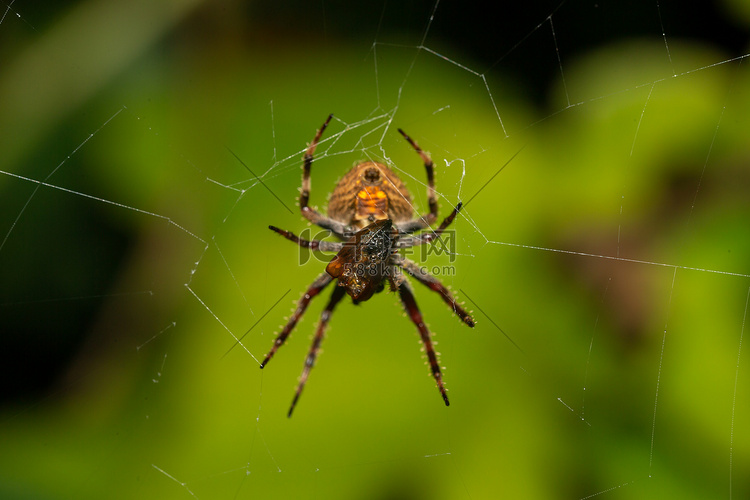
[372, 204]
[370, 191]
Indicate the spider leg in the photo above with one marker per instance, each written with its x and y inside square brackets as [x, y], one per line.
[423, 238]
[317, 286]
[433, 284]
[410, 305]
[304, 197]
[336, 296]
[428, 218]
[325, 246]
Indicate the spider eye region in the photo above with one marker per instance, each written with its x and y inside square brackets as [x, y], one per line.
[362, 265]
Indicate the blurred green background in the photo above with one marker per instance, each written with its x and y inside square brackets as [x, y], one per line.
[613, 250]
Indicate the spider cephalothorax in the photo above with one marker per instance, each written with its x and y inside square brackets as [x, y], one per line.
[361, 266]
[370, 212]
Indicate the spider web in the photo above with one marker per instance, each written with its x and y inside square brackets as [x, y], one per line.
[602, 248]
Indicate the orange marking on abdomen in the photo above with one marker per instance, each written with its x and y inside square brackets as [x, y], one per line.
[372, 201]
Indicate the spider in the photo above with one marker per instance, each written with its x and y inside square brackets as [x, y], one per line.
[370, 212]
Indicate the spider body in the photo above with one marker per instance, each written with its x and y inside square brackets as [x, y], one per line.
[361, 267]
[371, 214]
[370, 191]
